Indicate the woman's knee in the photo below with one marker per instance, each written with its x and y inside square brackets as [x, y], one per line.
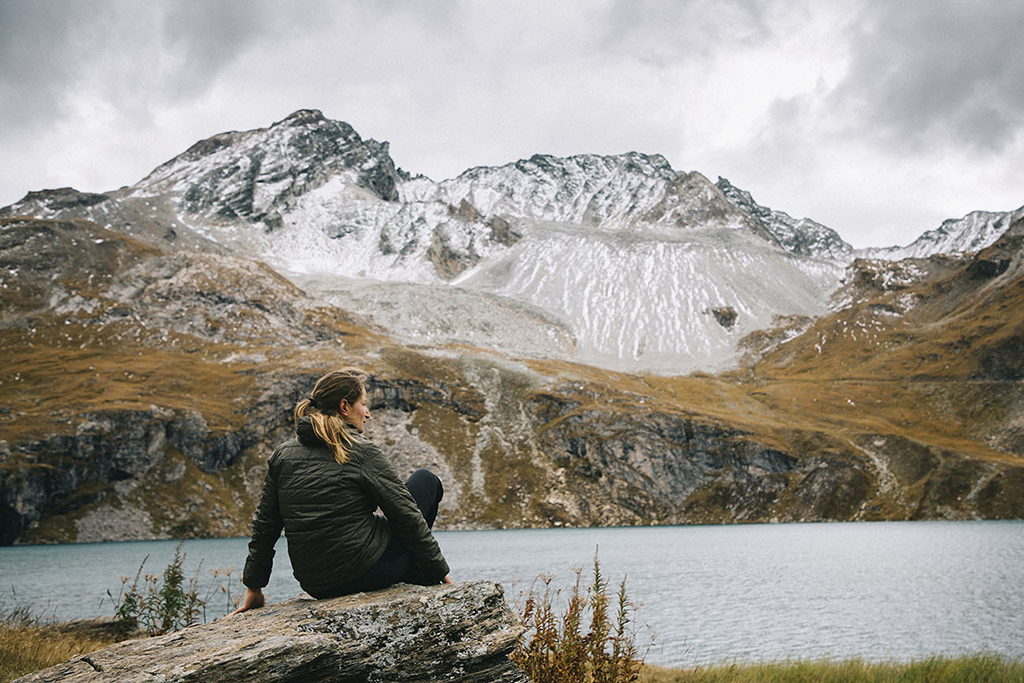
[427, 491]
[424, 479]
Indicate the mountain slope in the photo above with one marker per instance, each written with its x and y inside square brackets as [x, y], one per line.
[975, 231]
[665, 305]
[619, 260]
[158, 335]
[924, 375]
[145, 388]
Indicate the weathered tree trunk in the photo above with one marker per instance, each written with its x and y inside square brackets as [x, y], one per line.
[461, 632]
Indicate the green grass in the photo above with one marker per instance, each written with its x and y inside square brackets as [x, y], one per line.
[966, 669]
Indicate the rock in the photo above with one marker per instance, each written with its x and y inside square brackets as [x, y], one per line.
[797, 235]
[725, 315]
[460, 632]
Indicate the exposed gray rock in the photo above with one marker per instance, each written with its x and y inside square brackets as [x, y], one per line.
[800, 236]
[973, 232]
[461, 632]
[638, 467]
[59, 199]
[725, 315]
[233, 175]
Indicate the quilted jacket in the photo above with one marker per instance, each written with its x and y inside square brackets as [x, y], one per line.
[328, 515]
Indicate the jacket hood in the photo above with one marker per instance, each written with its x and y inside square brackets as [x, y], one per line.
[305, 434]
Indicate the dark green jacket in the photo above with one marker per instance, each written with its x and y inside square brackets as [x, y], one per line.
[327, 513]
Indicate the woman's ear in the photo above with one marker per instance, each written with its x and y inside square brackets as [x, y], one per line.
[343, 406]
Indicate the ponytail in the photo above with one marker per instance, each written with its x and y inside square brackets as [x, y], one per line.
[321, 407]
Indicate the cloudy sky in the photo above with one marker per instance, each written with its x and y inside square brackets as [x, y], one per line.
[877, 118]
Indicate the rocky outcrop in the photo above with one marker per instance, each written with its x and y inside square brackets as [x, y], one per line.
[250, 175]
[800, 236]
[53, 201]
[615, 467]
[975, 231]
[461, 632]
[106, 457]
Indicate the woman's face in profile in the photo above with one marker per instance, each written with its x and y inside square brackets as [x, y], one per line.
[356, 413]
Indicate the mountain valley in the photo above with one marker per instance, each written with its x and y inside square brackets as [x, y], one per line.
[567, 341]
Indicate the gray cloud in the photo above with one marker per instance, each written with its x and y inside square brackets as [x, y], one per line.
[876, 103]
[39, 58]
[671, 31]
[135, 55]
[933, 73]
[206, 37]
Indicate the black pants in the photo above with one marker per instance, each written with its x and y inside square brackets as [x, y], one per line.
[396, 565]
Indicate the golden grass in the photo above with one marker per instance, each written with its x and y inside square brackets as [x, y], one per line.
[38, 379]
[966, 669]
[816, 396]
[27, 645]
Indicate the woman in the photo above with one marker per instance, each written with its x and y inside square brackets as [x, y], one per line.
[322, 488]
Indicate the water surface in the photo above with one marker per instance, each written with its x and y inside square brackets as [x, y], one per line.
[879, 591]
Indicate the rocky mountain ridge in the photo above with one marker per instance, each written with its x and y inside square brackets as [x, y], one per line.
[974, 232]
[564, 247]
[800, 236]
[316, 202]
[154, 358]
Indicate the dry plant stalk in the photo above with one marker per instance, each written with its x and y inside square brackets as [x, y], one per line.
[556, 649]
[165, 603]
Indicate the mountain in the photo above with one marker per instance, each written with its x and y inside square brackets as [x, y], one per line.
[569, 248]
[532, 330]
[922, 369]
[973, 232]
[800, 236]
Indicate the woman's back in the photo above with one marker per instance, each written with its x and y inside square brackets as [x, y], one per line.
[323, 489]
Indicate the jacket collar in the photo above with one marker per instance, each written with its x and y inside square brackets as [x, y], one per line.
[308, 438]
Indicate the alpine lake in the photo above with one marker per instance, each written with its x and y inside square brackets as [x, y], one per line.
[885, 591]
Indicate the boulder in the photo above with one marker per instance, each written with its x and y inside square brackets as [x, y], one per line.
[460, 632]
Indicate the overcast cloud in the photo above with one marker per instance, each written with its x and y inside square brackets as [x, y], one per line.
[877, 118]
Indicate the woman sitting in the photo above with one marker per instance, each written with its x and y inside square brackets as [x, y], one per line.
[323, 487]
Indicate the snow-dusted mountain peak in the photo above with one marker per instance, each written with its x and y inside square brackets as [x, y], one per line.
[253, 175]
[630, 191]
[616, 260]
[973, 232]
[800, 236]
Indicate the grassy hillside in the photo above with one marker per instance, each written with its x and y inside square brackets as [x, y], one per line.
[144, 389]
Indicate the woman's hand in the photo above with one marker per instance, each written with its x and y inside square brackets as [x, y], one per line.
[447, 579]
[253, 599]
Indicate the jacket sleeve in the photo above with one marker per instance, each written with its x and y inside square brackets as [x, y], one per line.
[404, 516]
[266, 529]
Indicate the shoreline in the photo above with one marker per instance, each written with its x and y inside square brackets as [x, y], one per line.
[32, 643]
[468, 528]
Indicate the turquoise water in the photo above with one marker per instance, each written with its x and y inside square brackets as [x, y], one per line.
[880, 591]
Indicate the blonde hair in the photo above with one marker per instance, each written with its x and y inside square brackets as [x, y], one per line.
[321, 407]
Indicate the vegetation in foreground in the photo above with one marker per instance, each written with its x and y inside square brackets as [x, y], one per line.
[167, 602]
[29, 642]
[966, 669]
[559, 648]
[161, 604]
